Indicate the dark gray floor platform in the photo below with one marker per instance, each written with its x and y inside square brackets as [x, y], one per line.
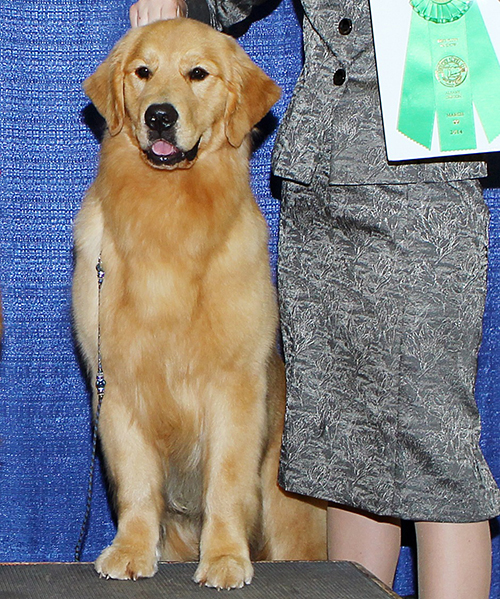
[278, 580]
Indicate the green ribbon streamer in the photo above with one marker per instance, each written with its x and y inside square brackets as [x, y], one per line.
[450, 65]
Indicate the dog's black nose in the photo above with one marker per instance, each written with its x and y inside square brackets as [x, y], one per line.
[161, 116]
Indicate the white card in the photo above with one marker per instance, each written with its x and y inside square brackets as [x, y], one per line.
[391, 27]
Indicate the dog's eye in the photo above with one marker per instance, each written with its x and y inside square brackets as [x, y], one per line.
[198, 74]
[143, 73]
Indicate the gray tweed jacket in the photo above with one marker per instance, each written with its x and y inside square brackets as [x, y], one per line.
[334, 118]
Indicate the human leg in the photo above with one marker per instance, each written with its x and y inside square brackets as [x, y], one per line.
[340, 303]
[454, 560]
[369, 540]
[381, 342]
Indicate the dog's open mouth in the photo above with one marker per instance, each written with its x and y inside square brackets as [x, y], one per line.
[163, 153]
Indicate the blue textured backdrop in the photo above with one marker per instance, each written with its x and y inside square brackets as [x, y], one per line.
[48, 158]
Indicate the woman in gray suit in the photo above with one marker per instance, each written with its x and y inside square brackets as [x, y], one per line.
[382, 281]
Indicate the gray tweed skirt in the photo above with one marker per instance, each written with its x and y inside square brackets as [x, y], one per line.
[382, 291]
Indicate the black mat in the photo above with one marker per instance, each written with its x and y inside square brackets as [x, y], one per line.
[290, 580]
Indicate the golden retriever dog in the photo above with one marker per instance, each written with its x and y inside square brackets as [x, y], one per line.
[192, 415]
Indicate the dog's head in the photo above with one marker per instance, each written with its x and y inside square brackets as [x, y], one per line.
[177, 88]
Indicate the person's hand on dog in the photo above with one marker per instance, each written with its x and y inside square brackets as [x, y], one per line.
[143, 12]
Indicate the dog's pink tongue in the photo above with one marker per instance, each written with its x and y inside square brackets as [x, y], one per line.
[163, 148]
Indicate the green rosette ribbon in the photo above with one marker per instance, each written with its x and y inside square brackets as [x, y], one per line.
[450, 67]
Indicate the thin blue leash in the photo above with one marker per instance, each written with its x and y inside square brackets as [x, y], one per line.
[100, 384]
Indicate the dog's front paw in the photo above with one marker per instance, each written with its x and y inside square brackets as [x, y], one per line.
[225, 572]
[123, 563]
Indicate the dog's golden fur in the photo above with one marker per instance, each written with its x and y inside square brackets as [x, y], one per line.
[192, 415]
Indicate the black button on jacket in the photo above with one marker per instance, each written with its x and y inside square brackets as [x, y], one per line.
[345, 26]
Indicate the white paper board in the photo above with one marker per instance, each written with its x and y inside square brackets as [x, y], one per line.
[391, 26]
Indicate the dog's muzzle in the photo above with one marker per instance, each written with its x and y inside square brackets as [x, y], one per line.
[161, 120]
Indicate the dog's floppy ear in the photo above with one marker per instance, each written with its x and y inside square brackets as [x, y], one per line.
[105, 88]
[251, 95]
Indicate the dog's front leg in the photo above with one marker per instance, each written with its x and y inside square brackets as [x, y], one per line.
[235, 424]
[137, 477]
